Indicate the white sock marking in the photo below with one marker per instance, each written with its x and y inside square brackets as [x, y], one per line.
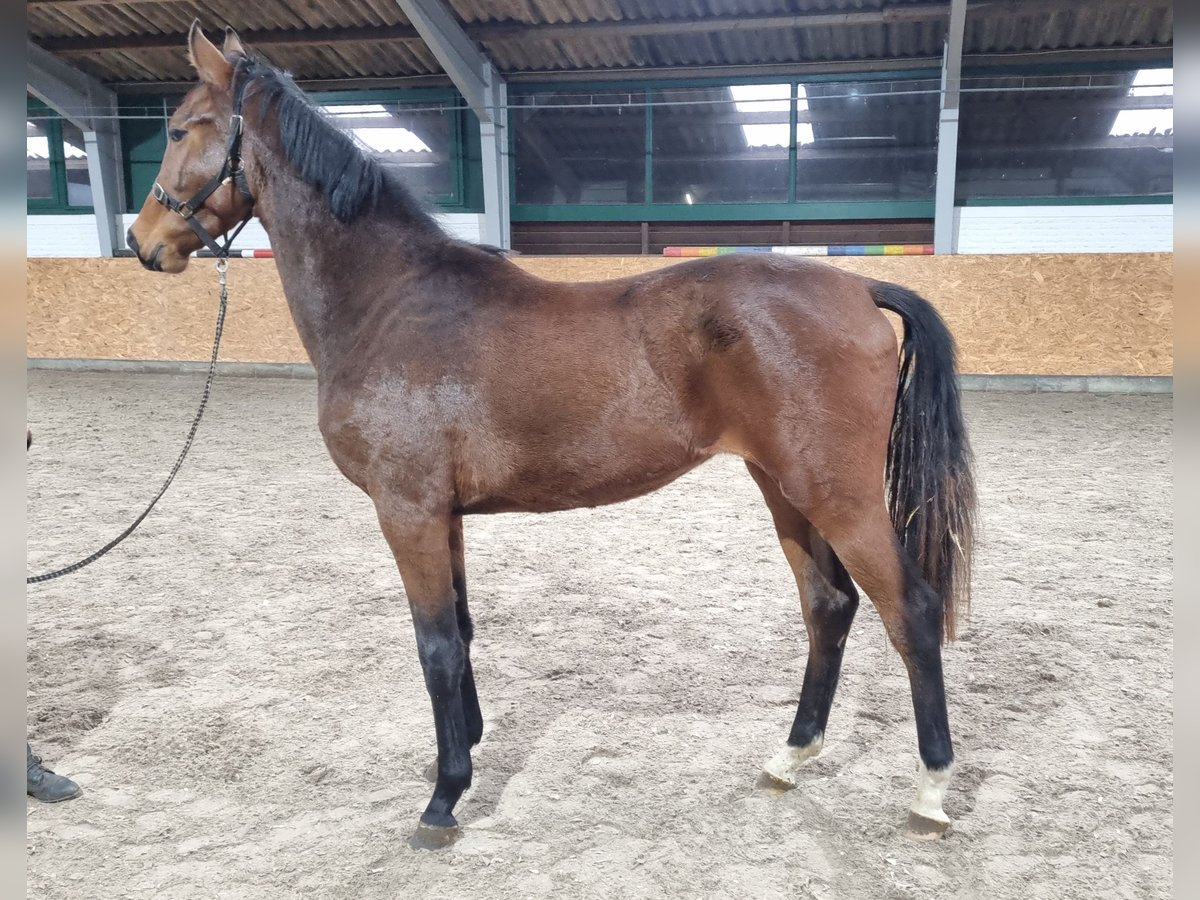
[783, 765]
[931, 790]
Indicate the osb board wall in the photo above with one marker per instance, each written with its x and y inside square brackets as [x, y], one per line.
[1072, 314]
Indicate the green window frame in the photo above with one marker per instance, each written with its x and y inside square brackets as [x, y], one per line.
[52, 122]
[792, 210]
[143, 143]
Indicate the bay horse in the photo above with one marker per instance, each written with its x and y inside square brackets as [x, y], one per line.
[451, 382]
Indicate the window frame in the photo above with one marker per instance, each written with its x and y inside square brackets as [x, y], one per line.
[35, 109]
[649, 211]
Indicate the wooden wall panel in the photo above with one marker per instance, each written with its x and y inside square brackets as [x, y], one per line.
[1105, 314]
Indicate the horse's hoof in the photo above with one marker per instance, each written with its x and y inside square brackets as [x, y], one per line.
[923, 828]
[431, 771]
[768, 782]
[926, 819]
[779, 772]
[433, 837]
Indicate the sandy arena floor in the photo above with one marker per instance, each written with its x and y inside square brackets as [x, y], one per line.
[237, 687]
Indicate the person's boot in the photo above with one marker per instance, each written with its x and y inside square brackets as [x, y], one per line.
[44, 785]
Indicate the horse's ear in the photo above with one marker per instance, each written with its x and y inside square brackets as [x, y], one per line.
[209, 62]
[233, 44]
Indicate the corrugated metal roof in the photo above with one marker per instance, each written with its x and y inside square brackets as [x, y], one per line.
[323, 39]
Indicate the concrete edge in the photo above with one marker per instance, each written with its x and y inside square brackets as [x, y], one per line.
[1090, 384]
[173, 367]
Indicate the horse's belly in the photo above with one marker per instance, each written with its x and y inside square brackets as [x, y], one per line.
[555, 483]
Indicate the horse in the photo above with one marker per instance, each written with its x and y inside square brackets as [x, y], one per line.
[451, 383]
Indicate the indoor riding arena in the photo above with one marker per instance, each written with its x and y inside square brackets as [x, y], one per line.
[239, 701]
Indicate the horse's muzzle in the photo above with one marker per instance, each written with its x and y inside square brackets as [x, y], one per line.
[154, 263]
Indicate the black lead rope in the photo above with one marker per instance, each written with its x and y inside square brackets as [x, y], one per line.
[222, 266]
[232, 172]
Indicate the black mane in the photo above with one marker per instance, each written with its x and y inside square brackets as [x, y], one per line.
[353, 181]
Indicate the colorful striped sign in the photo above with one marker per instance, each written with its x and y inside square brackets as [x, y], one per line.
[844, 250]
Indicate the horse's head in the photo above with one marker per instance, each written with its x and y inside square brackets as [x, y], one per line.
[197, 150]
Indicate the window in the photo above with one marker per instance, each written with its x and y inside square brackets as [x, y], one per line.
[1079, 136]
[1149, 116]
[866, 140]
[39, 177]
[721, 145]
[573, 148]
[427, 135]
[819, 149]
[79, 183]
[56, 165]
[420, 140]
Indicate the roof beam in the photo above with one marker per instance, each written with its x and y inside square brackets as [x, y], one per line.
[500, 32]
[1153, 55]
[908, 12]
[65, 89]
[293, 37]
[470, 70]
[1149, 56]
[485, 91]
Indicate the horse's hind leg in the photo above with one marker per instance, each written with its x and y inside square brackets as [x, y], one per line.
[829, 600]
[864, 539]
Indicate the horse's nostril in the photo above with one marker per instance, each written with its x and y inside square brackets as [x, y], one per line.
[131, 240]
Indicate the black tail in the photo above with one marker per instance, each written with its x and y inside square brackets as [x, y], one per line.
[931, 491]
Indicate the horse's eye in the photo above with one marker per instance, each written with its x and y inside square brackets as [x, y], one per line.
[176, 134]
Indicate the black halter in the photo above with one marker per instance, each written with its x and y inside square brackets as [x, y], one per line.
[231, 171]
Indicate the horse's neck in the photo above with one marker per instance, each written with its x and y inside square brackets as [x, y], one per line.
[318, 258]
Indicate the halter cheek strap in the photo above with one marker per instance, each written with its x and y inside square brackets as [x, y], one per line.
[232, 171]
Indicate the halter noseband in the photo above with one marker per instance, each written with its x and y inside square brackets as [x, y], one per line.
[231, 171]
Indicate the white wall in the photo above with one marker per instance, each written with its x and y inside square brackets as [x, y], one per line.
[75, 235]
[1120, 228]
[61, 236]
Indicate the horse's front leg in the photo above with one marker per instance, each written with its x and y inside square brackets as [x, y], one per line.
[466, 628]
[421, 545]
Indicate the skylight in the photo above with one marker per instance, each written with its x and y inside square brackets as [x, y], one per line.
[1153, 83]
[763, 98]
[37, 146]
[804, 130]
[1148, 83]
[382, 139]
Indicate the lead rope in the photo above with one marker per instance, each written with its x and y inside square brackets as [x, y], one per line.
[222, 267]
